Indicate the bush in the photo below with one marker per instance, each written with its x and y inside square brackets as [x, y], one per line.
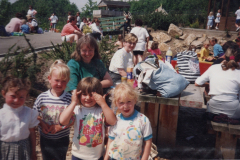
[195, 24]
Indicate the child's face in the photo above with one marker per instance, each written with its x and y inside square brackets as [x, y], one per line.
[206, 46]
[15, 98]
[212, 43]
[126, 106]
[129, 46]
[87, 53]
[58, 84]
[87, 100]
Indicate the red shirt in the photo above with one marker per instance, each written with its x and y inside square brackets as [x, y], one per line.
[156, 51]
[69, 29]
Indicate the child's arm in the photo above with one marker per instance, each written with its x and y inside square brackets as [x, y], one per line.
[147, 149]
[66, 115]
[106, 157]
[108, 113]
[33, 143]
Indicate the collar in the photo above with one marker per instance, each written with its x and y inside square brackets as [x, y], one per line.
[52, 96]
[131, 117]
[6, 106]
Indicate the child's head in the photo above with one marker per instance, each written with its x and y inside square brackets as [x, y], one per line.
[58, 76]
[69, 13]
[120, 37]
[86, 49]
[15, 91]
[219, 11]
[84, 19]
[213, 41]
[130, 42]
[192, 47]
[154, 45]
[87, 86]
[78, 14]
[125, 98]
[206, 44]
[211, 13]
[23, 21]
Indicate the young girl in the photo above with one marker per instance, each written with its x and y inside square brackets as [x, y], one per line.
[54, 139]
[92, 113]
[119, 43]
[154, 48]
[204, 53]
[131, 137]
[210, 20]
[217, 20]
[17, 121]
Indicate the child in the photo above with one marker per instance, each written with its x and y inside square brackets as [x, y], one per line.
[78, 20]
[54, 20]
[92, 113]
[17, 121]
[210, 20]
[204, 53]
[54, 139]
[217, 20]
[89, 21]
[119, 43]
[131, 137]
[154, 48]
[217, 49]
[25, 28]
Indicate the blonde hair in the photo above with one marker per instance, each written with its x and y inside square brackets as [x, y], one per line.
[206, 43]
[211, 13]
[62, 68]
[131, 38]
[124, 91]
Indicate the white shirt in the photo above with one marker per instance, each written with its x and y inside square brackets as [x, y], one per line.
[224, 85]
[218, 16]
[31, 12]
[89, 133]
[15, 123]
[54, 19]
[142, 34]
[238, 14]
[95, 28]
[120, 60]
[82, 24]
[34, 23]
[78, 20]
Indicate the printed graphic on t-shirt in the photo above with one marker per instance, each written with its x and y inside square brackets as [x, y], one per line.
[90, 131]
[50, 113]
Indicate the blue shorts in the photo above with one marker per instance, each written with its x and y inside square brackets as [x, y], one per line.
[237, 21]
[54, 25]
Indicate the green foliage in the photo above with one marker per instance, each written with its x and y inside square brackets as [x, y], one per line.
[87, 10]
[4, 9]
[195, 24]
[177, 36]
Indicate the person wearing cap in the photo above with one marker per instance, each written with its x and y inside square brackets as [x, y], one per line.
[15, 24]
[32, 23]
[95, 26]
[32, 11]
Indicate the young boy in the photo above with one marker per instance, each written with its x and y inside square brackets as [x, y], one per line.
[217, 49]
[204, 53]
[25, 28]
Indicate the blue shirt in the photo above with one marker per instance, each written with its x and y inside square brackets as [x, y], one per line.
[25, 28]
[217, 50]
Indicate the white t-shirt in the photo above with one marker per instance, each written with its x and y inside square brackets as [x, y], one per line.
[128, 136]
[142, 34]
[238, 14]
[81, 25]
[89, 133]
[54, 19]
[224, 85]
[120, 60]
[218, 18]
[95, 28]
[33, 23]
[78, 20]
[15, 123]
[31, 12]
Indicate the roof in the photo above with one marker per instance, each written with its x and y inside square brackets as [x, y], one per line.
[104, 3]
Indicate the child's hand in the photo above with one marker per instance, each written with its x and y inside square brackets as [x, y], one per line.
[99, 99]
[75, 95]
[45, 127]
[55, 128]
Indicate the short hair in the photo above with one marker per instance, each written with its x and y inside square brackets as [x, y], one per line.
[72, 18]
[95, 20]
[84, 18]
[138, 22]
[154, 45]
[62, 68]
[78, 13]
[120, 37]
[30, 6]
[213, 39]
[19, 15]
[69, 13]
[191, 47]
[124, 91]
[88, 41]
[131, 38]
[88, 85]
[13, 82]
[206, 43]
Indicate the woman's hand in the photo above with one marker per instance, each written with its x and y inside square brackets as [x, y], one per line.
[99, 99]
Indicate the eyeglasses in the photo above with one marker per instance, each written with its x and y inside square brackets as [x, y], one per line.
[131, 43]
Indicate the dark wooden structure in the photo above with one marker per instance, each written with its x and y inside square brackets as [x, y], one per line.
[228, 9]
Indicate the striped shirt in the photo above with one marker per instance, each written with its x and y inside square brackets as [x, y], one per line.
[49, 108]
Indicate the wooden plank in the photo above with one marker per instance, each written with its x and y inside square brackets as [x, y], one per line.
[234, 129]
[149, 98]
[220, 127]
[168, 101]
[191, 97]
[167, 128]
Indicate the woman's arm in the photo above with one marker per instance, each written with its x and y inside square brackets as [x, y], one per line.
[147, 149]
[107, 81]
[33, 143]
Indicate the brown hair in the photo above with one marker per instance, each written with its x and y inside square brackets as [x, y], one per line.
[77, 13]
[90, 42]
[191, 47]
[120, 37]
[131, 38]
[233, 62]
[19, 15]
[95, 20]
[154, 45]
[13, 82]
[72, 18]
[69, 13]
[213, 39]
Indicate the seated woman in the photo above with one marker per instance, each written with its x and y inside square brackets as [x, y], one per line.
[14, 24]
[224, 85]
[118, 64]
[86, 62]
[95, 26]
[32, 23]
[70, 31]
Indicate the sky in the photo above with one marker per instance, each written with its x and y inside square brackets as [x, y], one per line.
[80, 3]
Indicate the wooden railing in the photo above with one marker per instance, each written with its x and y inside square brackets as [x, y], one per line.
[106, 13]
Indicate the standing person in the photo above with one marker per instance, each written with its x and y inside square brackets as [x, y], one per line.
[95, 26]
[217, 20]
[142, 44]
[15, 24]
[92, 114]
[32, 11]
[126, 24]
[70, 31]
[210, 20]
[17, 122]
[237, 13]
[54, 20]
[131, 137]
[54, 138]
[69, 15]
[78, 20]
[118, 64]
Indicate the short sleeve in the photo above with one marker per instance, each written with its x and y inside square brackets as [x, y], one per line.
[74, 75]
[147, 129]
[111, 133]
[147, 35]
[119, 60]
[34, 121]
[36, 105]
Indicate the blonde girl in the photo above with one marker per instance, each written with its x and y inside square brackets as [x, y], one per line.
[131, 137]
[210, 20]
[154, 48]
[17, 121]
[54, 138]
[92, 113]
[119, 43]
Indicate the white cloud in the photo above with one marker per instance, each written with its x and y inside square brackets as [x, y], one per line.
[81, 3]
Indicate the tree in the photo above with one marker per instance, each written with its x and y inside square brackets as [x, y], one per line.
[4, 9]
[87, 10]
